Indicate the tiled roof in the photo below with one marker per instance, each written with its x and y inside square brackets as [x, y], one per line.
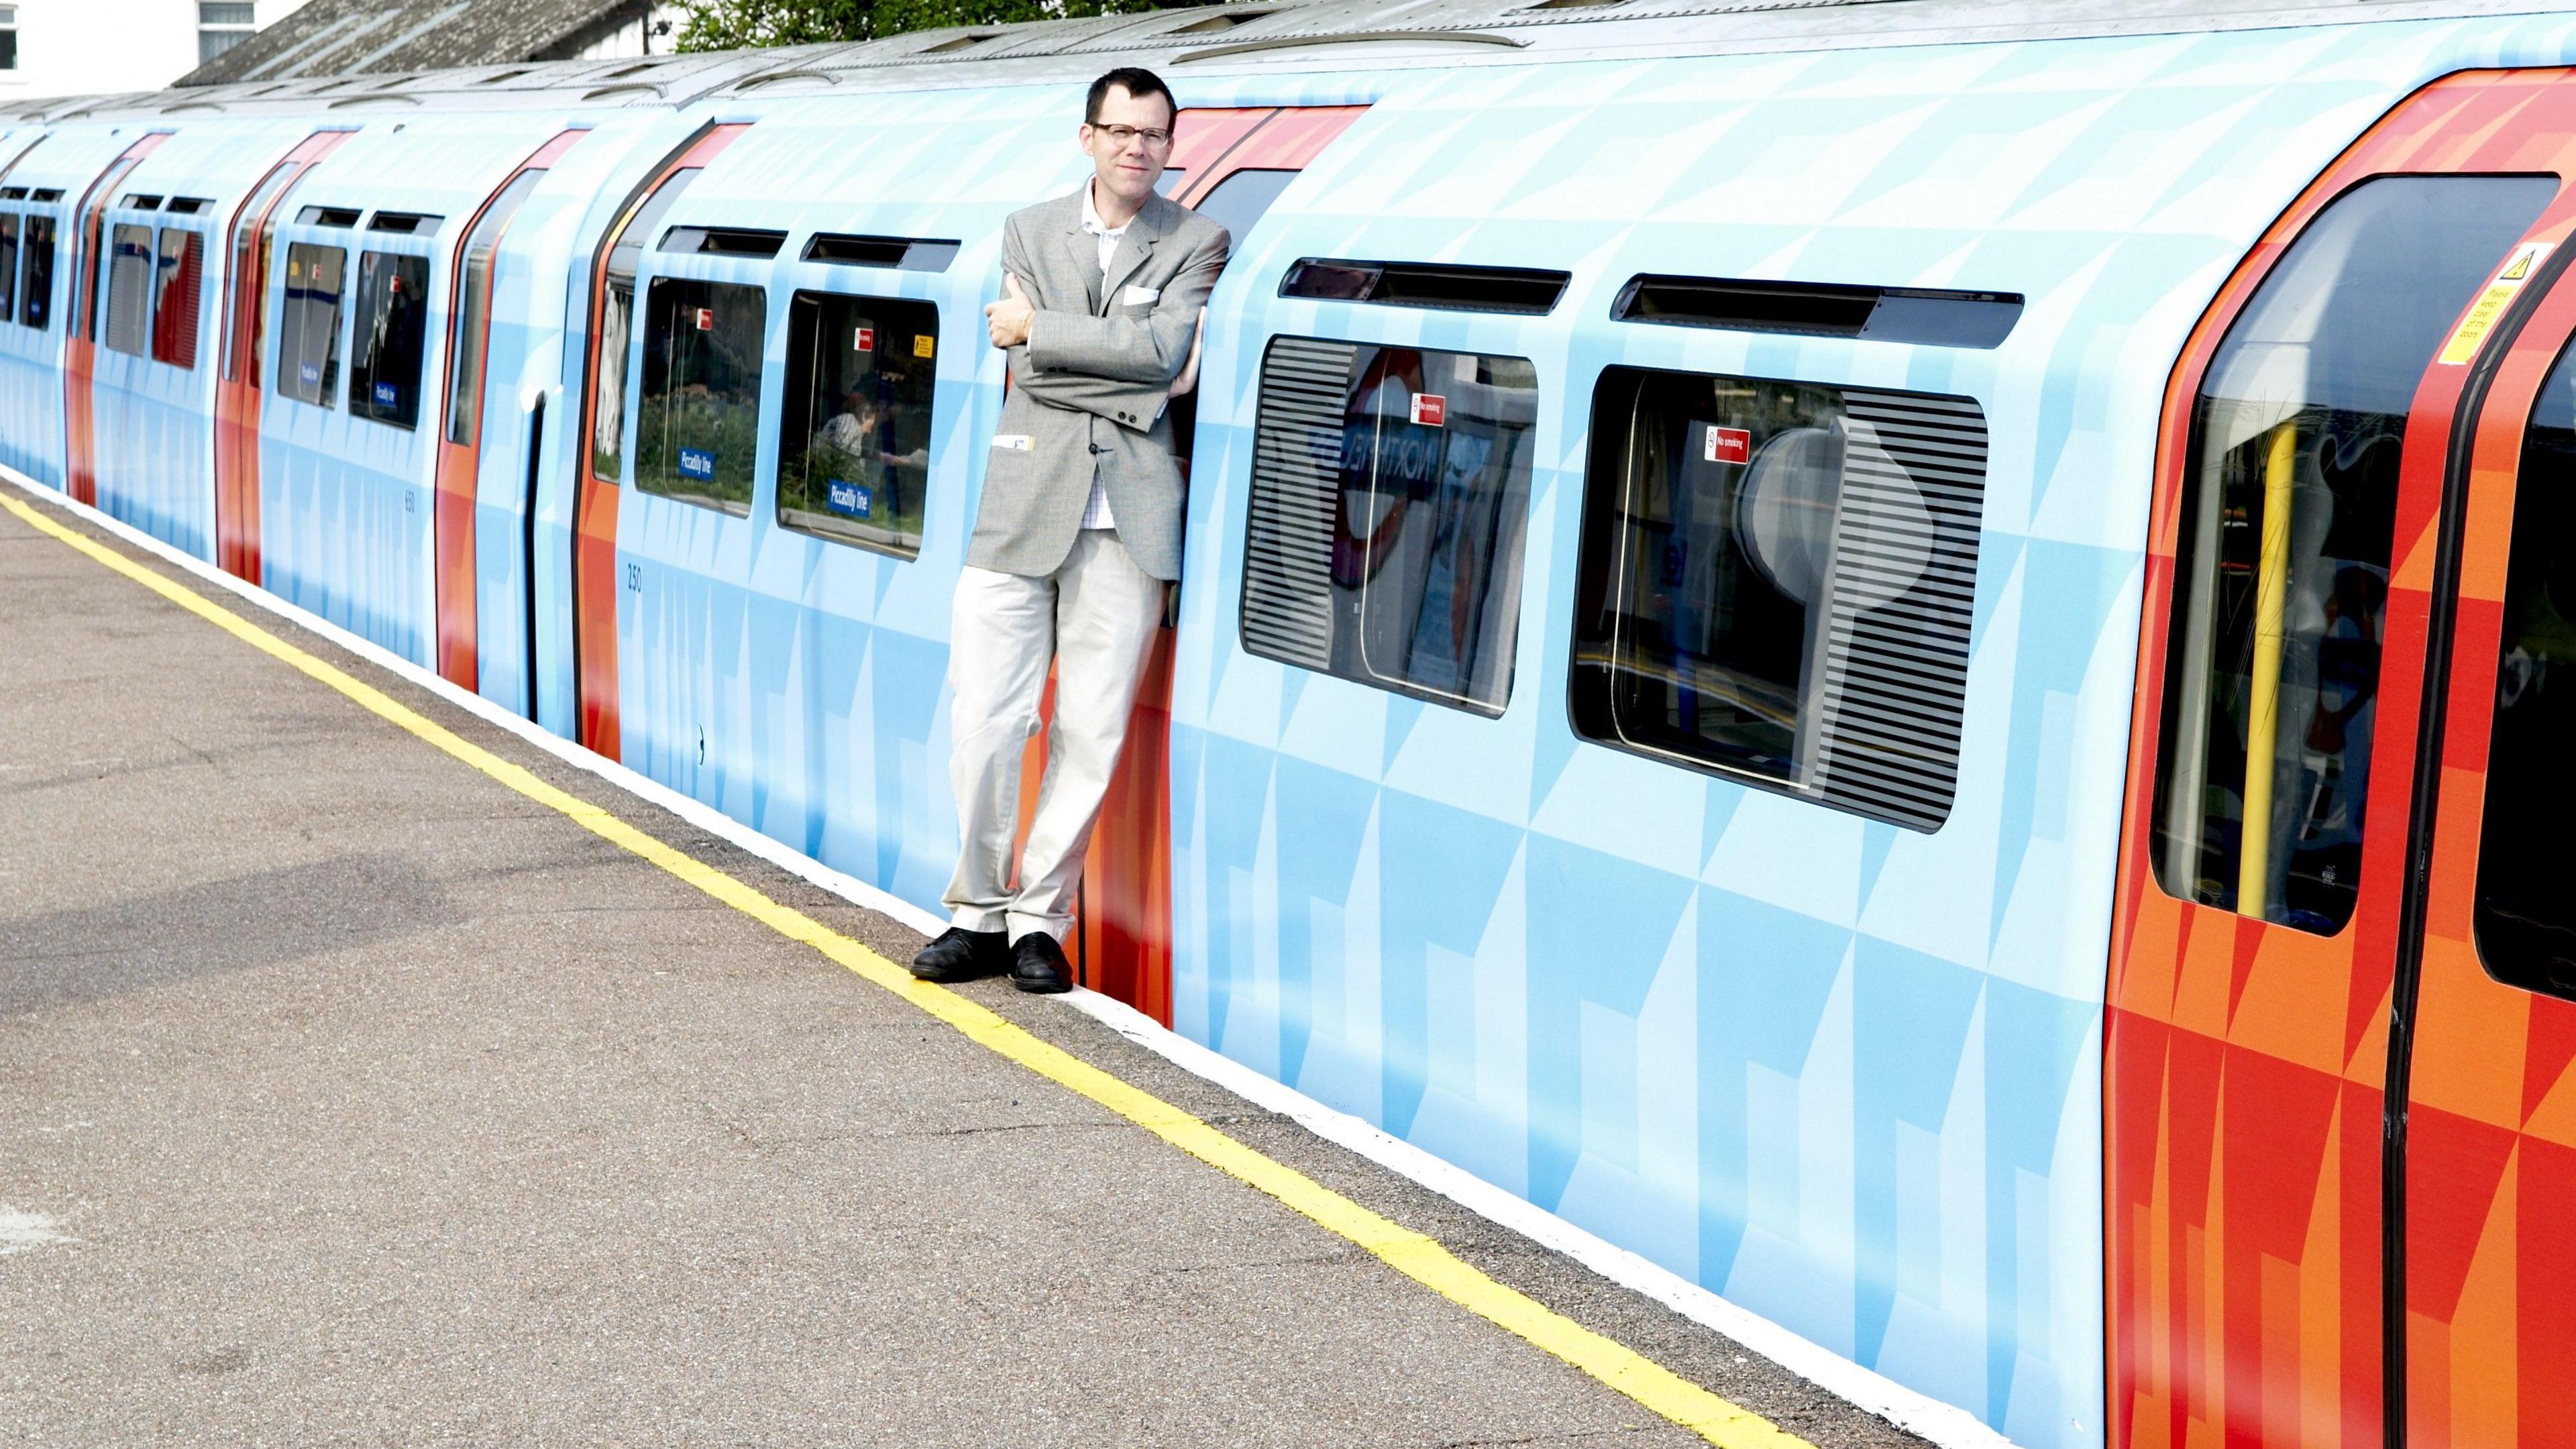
[355, 37]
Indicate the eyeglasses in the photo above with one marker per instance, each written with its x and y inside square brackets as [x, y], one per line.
[1157, 140]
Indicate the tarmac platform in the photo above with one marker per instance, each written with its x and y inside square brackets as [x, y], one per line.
[353, 1094]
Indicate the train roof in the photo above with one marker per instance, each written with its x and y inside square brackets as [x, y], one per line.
[1239, 39]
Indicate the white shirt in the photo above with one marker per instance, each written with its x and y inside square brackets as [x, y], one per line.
[1095, 514]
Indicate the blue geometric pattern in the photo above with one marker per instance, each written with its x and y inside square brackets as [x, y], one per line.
[1843, 1073]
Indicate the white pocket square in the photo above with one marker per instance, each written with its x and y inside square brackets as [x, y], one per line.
[1135, 296]
[1014, 442]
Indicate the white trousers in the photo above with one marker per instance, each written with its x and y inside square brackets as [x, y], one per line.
[1094, 617]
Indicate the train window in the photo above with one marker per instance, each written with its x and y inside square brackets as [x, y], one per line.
[473, 308]
[129, 290]
[8, 266]
[2525, 918]
[1390, 493]
[617, 324]
[308, 323]
[36, 282]
[392, 336]
[1240, 199]
[177, 279]
[854, 439]
[1776, 582]
[2280, 576]
[697, 426]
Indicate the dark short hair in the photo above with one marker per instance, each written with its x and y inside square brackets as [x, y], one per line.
[1135, 81]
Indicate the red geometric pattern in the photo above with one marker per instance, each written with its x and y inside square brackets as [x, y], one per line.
[2244, 1061]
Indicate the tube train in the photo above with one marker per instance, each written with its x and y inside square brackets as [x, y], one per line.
[2117, 421]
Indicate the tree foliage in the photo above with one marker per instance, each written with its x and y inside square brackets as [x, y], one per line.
[744, 24]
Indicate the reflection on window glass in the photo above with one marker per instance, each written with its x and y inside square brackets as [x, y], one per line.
[392, 337]
[308, 324]
[854, 436]
[697, 429]
[36, 284]
[2526, 915]
[1239, 200]
[129, 290]
[2281, 566]
[1388, 517]
[617, 325]
[177, 282]
[474, 305]
[8, 266]
[1777, 580]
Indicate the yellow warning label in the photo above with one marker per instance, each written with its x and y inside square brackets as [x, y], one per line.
[923, 344]
[2491, 303]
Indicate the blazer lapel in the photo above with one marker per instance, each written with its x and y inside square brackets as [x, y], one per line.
[1082, 253]
[1134, 248]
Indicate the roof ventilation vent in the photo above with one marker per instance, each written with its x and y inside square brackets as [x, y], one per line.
[963, 42]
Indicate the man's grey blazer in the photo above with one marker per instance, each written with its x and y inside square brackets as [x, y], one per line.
[1087, 389]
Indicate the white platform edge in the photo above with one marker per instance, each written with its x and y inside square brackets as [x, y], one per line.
[1943, 1424]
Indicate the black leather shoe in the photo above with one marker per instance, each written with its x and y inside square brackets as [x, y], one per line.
[1038, 964]
[963, 955]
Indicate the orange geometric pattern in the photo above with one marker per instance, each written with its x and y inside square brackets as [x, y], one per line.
[2245, 1061]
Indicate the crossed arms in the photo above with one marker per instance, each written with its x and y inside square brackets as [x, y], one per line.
[1126, 365]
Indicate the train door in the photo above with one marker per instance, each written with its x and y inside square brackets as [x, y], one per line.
[2270, 887]
[237, 387]
[1230, 164]
[80, 344]
[460, 431]
[2486, 1006]
[601, 443]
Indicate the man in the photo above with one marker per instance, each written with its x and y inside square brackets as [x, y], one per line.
[1079, 531]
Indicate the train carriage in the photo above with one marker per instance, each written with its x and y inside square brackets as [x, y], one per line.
[1897, 655]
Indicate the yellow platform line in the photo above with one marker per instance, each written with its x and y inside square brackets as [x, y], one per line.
[1413, 1254]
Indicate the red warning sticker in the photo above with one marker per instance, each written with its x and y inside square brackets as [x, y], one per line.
[706, 319]
[1729, 445]
[866, 341]
[1431, 409]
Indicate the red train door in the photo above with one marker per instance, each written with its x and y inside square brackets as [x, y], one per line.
[2269, 888]
[80, 343]
[460, 429]
[601, 441]
[1231, 164]
[237, 388]
[2489, 1133]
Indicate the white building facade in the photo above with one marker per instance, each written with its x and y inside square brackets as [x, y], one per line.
[82, 47]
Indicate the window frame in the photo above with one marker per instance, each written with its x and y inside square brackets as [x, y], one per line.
[326, 391]
[702, 273]
[114, 301]
[190, 281]
[364, 362]
[796, 403]
[1363, 672]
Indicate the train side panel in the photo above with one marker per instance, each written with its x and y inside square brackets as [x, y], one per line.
[1845, 1073]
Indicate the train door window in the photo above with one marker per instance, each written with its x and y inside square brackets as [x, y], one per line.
[2525, 917]
[8, 266]
[1776, 582]
[129, 290]
[465, 351]
[308, 323]
[177, 281]
[1390, 493]
[698, 405]
[617, 322]
[36, 281]
[854, 437]
[1240, 199]
[2281, 562]
[391, 339]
